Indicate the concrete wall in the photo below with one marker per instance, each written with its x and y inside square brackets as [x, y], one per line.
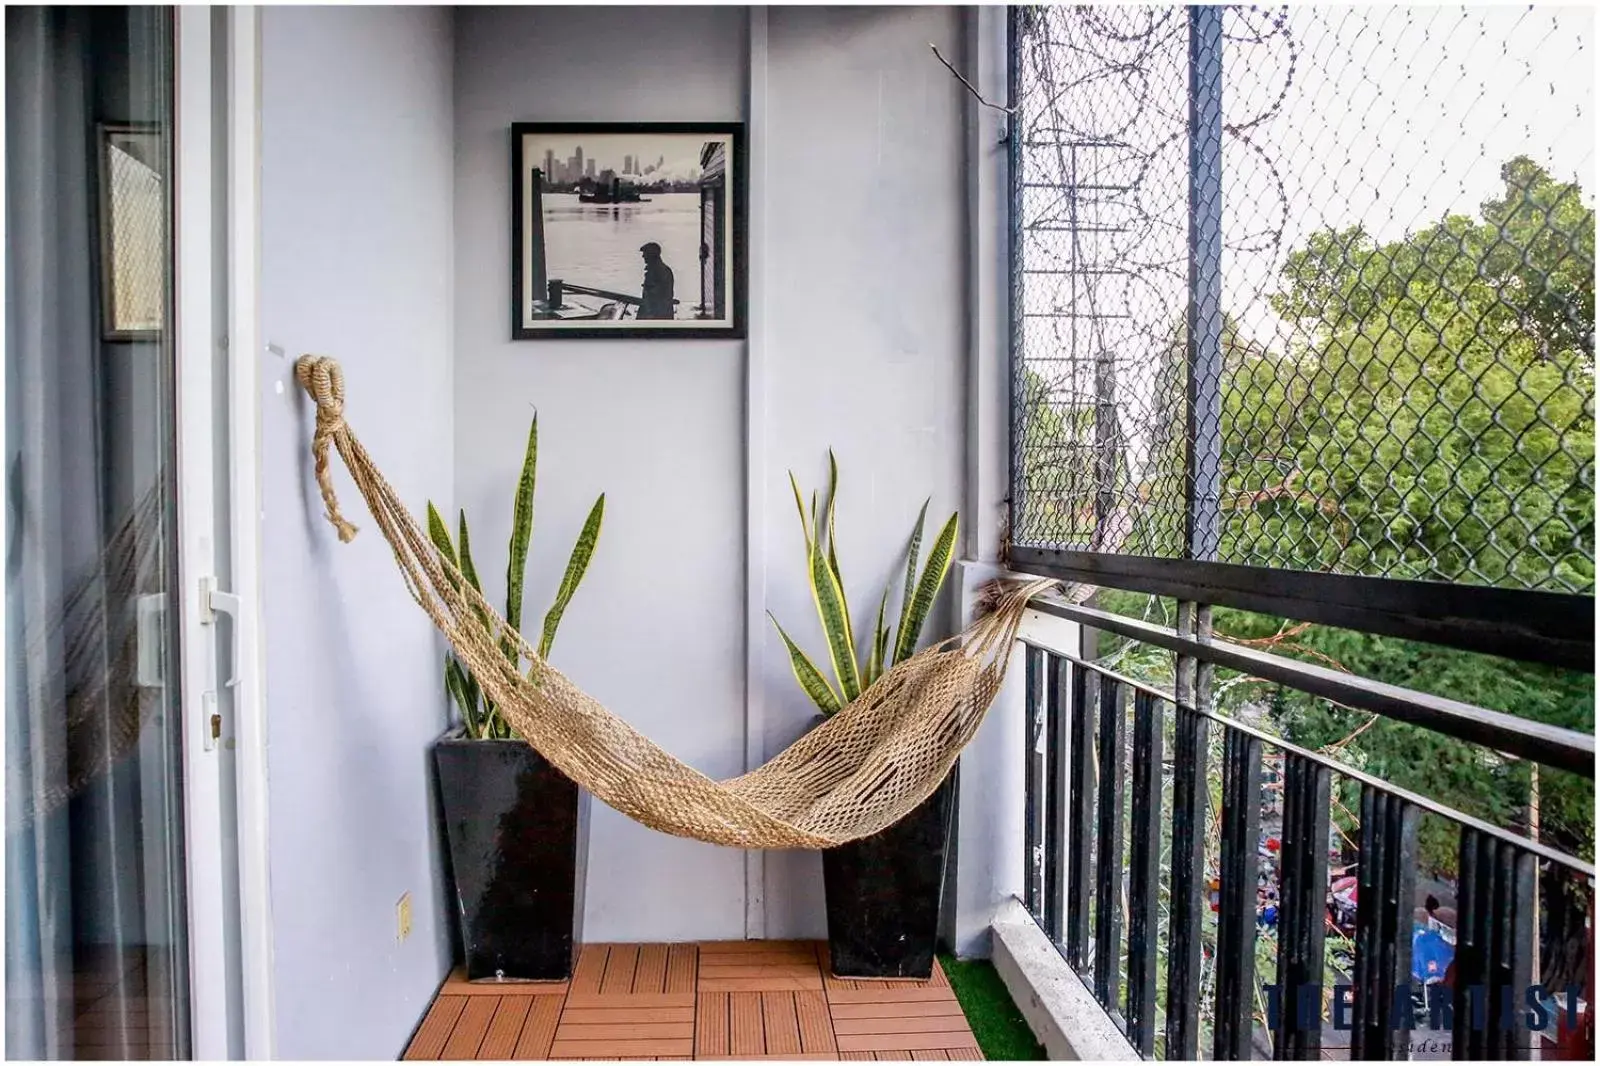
[859, 342]
[356, 146]
[864, 334]
[861, 312]
[656, 632]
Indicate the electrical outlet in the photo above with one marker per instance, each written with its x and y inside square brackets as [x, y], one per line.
[402, 914]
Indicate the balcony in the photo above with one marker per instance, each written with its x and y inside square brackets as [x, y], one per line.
[1264, 334]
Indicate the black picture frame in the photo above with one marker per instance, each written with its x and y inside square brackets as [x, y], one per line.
[730, 268]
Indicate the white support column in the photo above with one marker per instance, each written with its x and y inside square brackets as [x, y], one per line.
[989, 836]
[755, 451]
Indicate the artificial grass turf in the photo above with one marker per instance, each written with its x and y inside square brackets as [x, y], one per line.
[1001, 1031]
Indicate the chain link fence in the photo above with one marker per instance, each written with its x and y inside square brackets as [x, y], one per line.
[1314, 291]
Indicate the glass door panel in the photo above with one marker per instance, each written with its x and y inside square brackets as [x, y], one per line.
[96, 928]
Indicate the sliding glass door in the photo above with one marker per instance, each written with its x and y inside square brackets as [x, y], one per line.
[97, 931]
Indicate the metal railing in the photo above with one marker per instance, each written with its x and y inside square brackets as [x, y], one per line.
[1145, 822]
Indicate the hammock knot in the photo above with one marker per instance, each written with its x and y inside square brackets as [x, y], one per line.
[323, 380]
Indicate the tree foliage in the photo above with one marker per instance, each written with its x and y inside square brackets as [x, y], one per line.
[1432, 418]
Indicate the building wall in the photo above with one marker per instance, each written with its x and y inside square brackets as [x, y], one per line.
[863, 334]
[858, 343]
[656, 632]
[356, 231]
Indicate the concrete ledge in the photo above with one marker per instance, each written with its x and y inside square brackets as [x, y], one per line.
[1062, 1013]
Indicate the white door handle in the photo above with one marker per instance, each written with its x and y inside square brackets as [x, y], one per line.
[212, 603]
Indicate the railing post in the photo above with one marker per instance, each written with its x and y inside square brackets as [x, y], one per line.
[1034, 779]
[1494, 959]
[1059, 671]
[1386, 888]
[1203, 336]
[1108, 861]
[1188, 905]
[1302, 911]
[1144, 873]
[1236, 919]
[1080, 810]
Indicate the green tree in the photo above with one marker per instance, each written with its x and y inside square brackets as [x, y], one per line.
[1432, 419]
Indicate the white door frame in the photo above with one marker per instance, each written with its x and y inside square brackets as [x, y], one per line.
[244, 408]
[225, 901]
[196, 348]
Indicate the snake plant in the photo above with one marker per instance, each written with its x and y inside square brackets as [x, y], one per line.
[852, 676]
[479, 714]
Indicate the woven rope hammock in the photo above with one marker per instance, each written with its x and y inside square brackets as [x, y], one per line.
[864, 769]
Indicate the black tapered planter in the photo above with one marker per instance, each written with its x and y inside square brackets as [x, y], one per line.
[884, 893]
[517, 832]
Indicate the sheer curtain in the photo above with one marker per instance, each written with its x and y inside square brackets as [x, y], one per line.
[93, 892]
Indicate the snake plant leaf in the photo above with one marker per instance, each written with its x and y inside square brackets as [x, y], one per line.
[833, 555]
[912, 552]
[468, 570]
[940, 557]
[521, 535]
[880, 644]
[800, 507]
[455, 682]
[440, 535]
[577, 564]
[805, 671]
[829, 598]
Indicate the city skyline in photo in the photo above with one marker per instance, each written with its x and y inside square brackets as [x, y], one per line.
[644, 157]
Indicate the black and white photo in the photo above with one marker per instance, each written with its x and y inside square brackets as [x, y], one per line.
[628, 230]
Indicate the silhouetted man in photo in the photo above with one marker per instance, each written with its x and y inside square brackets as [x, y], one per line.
[656, 299]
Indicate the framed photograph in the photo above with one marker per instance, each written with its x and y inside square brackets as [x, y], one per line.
[628, 230]
[131, 169]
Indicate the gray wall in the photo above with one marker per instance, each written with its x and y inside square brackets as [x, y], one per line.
[863, 340]
[858, 313]
[356, 145]
[656, 633]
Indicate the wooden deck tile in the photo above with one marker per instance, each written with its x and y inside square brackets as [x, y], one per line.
[621, 962]
[651, 973]
[744, 1024]
[891, 1009]
[435, 1028]
[816, 1028]
[642, 999]
[891, 995]
[681, 963]
[622, 1011]
[781, 1023]
[621, 1049]
[590, 968]
[470, 1028]
[718, 1000]
[567, 1031]
[711, 1026]
[906, 1041]
[867, 1026]
[500, 1042]
[780, 983]
[539, 1031]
